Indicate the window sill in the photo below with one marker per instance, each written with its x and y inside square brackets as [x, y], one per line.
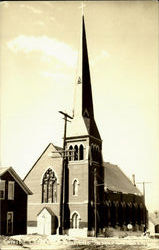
[77, 162]
[49, 203]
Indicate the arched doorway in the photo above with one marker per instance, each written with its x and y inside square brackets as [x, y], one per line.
[75, 221]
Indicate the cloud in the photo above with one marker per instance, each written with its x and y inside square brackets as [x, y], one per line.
[49, 47]
[31, 8]
[52, 18]
[103, 55]
[57, 76]
[40, 23]
[5, 4]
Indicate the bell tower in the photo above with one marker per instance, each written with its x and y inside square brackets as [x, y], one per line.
[83, 138]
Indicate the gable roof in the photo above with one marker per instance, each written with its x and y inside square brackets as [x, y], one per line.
[58, 151]
[115, 180]
[17, 178]
[48, 209]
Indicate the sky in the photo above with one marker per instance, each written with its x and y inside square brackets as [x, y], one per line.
[38, 69]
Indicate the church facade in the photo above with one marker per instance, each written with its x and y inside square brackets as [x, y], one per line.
[77, 193]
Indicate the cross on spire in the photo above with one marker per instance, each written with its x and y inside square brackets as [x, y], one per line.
[82, 6]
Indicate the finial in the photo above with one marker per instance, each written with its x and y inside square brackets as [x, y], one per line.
[82, 8]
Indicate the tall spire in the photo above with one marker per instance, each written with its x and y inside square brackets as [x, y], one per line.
[83, 102]
[87, 105]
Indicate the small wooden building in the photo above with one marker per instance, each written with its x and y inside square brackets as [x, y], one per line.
[13, 203]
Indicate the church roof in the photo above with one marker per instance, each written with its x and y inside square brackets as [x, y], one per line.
[17, 178]
[50, 144]
[117, 181]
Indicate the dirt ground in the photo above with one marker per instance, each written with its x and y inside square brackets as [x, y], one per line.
[43, 242]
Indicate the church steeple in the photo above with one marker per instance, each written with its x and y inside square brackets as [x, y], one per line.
[87, 105]
[83, 103]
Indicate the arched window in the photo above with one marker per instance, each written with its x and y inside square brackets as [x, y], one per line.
[81, 153]
[75, 187]
[70, 153]
[75, 220]
[49, 187]
[76, 153]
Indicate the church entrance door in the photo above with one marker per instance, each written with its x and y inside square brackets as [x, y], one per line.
[9, 223]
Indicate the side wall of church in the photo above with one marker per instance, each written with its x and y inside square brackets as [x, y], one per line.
[34, 182]
[120, 209]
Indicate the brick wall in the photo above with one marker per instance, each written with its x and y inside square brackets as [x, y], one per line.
[34, 181]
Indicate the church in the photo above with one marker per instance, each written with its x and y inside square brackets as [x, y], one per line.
[74, 191]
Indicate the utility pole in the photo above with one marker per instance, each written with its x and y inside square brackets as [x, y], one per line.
[62, 197]
[145, 213]
[96, 184]
[143, 184]
[65, 126]
[95, 202]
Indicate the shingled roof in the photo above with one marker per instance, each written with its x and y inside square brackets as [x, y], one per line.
[17, 178]
[117, 181]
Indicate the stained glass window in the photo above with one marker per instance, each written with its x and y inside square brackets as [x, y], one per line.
[49, 187]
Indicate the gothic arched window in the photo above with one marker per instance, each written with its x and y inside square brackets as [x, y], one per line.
[70, 153]
[75, 187]
[81, 153]
[49, 187]
[76, 153]
[75, 220]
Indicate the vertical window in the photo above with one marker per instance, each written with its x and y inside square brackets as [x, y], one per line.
[76, 153]
[75, 187]
[10, 190]
[54, 188]
[70, 153]
[50, 191]
[75, 220]
[81, 153]
[2, 189]
[44, 192]
[49, 187]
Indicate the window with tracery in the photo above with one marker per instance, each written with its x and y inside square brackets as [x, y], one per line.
[75, 187]
[49, 187]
